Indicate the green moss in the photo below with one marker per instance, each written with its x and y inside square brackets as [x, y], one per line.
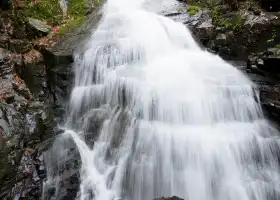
[71, 24]
[47, 10]
[76, 8]
[192, 10]
[272, 38]
[278, 46]
[226, 23]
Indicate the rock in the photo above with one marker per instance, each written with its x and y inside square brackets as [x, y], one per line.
[267, 62]
[64, 162]
[169, 198]
[221, 39]
[197, 19]
[89, 6]
[205, 30]
[256, 21]
[37, 28]
[34, 72]
[5, 4]
[270, 5]
[265, 66]
[39, 122]
[58, 60]
[92, 122]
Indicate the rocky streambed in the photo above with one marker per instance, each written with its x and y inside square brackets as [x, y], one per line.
[36, 77]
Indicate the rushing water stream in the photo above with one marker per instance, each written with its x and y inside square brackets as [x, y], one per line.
[167, 117]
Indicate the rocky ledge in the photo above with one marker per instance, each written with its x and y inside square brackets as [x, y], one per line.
[27, 122]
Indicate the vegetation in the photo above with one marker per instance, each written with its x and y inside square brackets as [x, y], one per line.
[192, 10]
[277, 46]
[204, 3]
[50, 11]
[273, 37]
[234, 23]
[68, 26]
[47, 10]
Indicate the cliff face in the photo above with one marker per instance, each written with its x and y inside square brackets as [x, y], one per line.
[36, 56]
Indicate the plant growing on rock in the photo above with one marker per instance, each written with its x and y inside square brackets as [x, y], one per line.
[192, 10]
[226, 23]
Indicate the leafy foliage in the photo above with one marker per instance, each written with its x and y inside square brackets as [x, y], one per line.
[192, 10]
[47, 10]
[226, 23]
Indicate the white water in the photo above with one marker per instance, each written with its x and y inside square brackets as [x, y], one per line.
[178, 120]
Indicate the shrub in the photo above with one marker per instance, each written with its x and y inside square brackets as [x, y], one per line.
[192, 10]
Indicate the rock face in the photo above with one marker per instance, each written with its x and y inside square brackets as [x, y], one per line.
[270, 5]
[24, 123]
[58, 58]
[27, 123]
[5, 4]
[231, 34]
[169, 198]
[266, 65]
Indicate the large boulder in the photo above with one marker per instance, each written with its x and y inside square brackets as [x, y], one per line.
[37, 28]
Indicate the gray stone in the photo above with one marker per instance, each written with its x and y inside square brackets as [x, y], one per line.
[4, 126]
[221, 39]
[205, 30]
[39, 25]
[256, 21]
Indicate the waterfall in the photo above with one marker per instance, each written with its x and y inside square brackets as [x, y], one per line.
[152, 115]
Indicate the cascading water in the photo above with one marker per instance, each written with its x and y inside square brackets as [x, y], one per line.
[167, 117]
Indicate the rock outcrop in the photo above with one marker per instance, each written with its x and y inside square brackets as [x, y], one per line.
[169, 198]
[270, 5]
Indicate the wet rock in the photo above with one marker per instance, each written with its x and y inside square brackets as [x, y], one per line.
[169, 198]
[40, 123]
[266, 62]
[92, 122]
[265, 66]
[63, 164]
[32, 130]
